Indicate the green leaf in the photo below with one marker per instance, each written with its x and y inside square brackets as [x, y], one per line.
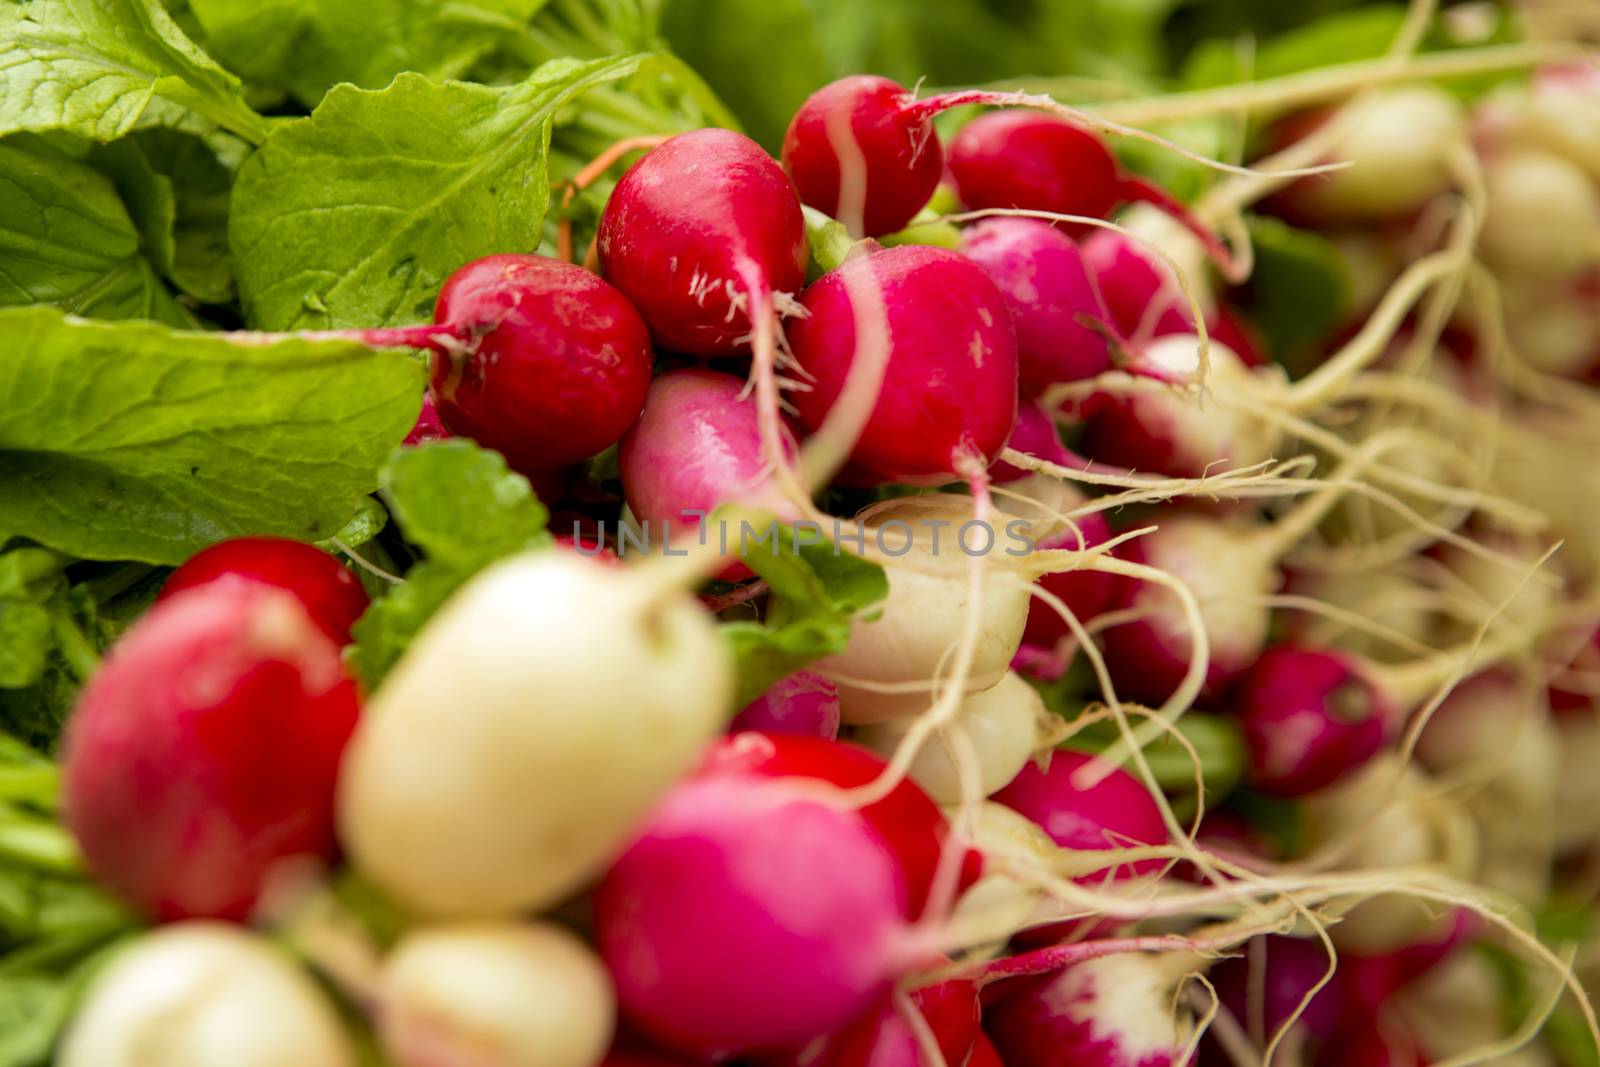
[355, 215]
[177, 192]
[132, 441]
[462, 506]
[25, 641]
[94, 66]
[1342, 37]
[1299, 292]
[817, 591]
[306, 46]
[368, 522]
[720, 38]
[67, 240]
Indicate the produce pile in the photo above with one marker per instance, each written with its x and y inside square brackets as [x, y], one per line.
[527, 543]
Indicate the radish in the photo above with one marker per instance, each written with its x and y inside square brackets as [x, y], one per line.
[885, 1038]
[699, 234]
[1115, 1011]
[327, 590]
[857, 151]
[1029, 159]
[906, 820]
[1083, 803]
[793, 923]
[1542, 219]
[1555, 328]
[494, 995]
[1054, 302]
[1401, 145]
[984, 1053]
[1556, 112]
[1267, 986]
[1140, 288]
[805, 703]
[200, 760]
[560, 372]
[890, 667]
[204, 993]
[949, 352]
[696, 446]
[1576, 665]
[428, 427]
[1005, 726]
[504, 760]
[1575, 821]
[1084, 591]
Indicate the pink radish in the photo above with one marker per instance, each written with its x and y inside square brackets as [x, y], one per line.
[327, 590]
[1266, 985]
[697, 445]
[1083, 803]
[949, 392]
[1311, 717]
[1116, 1011]
[561, 371]
[494, 994]
[200, 760]
[858, 152]
[204, 993]
[1054, 302]
[699, 234]
[906, 820]
[1085, 592]
[1139, 286]
[804, 703]
[794, 923]
[428, 427]
[884, 1037]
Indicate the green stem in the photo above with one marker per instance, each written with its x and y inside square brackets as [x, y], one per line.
[37, 842]
[82, 657]
[38, 785]
[22, 567]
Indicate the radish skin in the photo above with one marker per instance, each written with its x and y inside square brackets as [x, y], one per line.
[204, 993]
[494, 995]
[1084, 804]
[1005, 725]
[331, 595]
[805, 703]
[1542, 220]
[200, 761]
[502, 763]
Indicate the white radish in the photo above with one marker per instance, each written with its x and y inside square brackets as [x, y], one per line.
[1005, 726]
[495, 994]
[202, 993]
[1542, 221]
[525, 732]
[1399, 146]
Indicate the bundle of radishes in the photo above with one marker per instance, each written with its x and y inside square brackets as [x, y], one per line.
[963, 638]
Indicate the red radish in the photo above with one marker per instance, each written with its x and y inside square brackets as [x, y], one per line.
[884, 1038]
[1054, 302]
[696, 446]
[560, 372]
[793, 923]
[1229, 327]
[804, 703]
[949, 388]
[626, 1051]
[494, 994]
[204, 993]
[1083, 803]
[1368, 1045]
[200, 760]
[1085, 592]
[906, 820]
[428, 427]
[1575, 685]
[1312, 716]
[1115, 1011]
[1034, 435]
[1371, 981]
[526, 730]
[856, 152]
[1004, 726]
[1265, 986]
[984, 1053]
[1140, 290]
[327, 590]
[699, 234]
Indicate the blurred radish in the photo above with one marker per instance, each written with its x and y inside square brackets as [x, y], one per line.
[1054, 302]
[501, 766]
[204, 993]
[696, 446]
[884, 1038]
[1542, 219]
[1575, 679]
[494, 995]
[805, 703]
[1264, 987]
[949, 388]
[888, 669]
[200, 760]
[327, 590]
[558, 377]
[1400, 145]
[794, 923]
[906, 820]
[1116, 1011]
[984, 1053]
[1004, 725]
[1558, 111]
[428, 427]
